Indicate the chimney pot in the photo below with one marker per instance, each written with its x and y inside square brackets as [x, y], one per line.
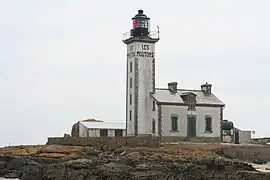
[172, 86]
[206, 88]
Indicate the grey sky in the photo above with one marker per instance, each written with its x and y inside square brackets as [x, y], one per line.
[63, 61]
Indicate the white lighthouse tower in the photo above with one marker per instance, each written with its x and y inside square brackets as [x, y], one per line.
[140, 79]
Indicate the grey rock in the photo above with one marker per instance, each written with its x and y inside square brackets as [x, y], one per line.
[12, 174]
[2, 165]
[79, 163]
[16, 163]
[132, 166]
[31, 172]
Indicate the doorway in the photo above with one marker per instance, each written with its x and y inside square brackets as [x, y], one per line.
[103, 132]
[236, 137]
[118, 133]
[191, 126]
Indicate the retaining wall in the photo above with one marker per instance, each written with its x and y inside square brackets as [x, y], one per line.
[106, 142]
[193, 139]
[248, 152]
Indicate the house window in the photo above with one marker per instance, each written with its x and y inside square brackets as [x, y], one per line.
[130, 99]
[191, 103]
[130, 66]
[174, 123]
[153, 106]
[208, 124]
[153, 125]
[130, 83]
[130, 115]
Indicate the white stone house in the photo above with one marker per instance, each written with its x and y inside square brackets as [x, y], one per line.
[94, 128]
[186, 113]
[164, 112]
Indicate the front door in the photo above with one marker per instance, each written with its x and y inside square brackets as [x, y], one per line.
[191, 126]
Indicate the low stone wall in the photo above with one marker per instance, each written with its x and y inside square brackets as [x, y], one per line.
[248, 152]
[194, 139]
[260, 140]
[106, 142]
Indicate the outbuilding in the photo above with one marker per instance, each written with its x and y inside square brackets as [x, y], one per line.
[97, 128]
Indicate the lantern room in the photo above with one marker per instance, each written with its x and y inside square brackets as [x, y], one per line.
[141, 25]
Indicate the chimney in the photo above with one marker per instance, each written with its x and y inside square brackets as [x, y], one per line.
[206, 88]
[172, 86]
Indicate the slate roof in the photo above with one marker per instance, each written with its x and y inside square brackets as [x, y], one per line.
[163, 95]
[104, 125]
[236, 129]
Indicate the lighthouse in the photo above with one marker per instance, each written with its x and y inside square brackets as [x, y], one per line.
[140, 76]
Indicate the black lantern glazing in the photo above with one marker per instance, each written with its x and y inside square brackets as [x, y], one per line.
[141, 25]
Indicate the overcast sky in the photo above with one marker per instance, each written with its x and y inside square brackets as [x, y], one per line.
[63, 60]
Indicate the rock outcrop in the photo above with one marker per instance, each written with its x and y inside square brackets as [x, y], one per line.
[83, 163]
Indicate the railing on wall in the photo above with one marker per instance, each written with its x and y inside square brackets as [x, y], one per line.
[152, 34]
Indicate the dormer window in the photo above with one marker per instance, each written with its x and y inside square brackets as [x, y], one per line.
[190, 99]
[191, 103]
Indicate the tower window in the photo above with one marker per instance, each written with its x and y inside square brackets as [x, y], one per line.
[153, 106]
[153, 125]
[130, 99]
[130, 66]
[130, 115]
[130, 83]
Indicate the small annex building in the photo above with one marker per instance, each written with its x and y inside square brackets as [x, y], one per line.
[98, 128]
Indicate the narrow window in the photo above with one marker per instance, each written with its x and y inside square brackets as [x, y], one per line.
[153, 125]
[130, 66]
[130, 115]
[153, 106]
[130, 99]
[130, 83]
[174, 123]
[208, 123]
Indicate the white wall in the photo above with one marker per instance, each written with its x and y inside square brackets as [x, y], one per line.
[245, 137]
[96, 132]
[83, 130]
[227, 139]
[130, 122]
[215, 113]
[145, 86]
[200, 113]
[111, 132]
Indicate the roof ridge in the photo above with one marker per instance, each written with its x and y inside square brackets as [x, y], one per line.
[180, 89]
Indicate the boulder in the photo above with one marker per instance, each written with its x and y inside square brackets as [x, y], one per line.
[16, 163]
[2, 165]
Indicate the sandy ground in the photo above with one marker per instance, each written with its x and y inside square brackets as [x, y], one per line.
[261, 167]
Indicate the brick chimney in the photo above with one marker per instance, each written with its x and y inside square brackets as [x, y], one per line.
[206, 88]
[172, 86]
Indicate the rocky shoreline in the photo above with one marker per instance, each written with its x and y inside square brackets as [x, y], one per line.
[86, 163]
